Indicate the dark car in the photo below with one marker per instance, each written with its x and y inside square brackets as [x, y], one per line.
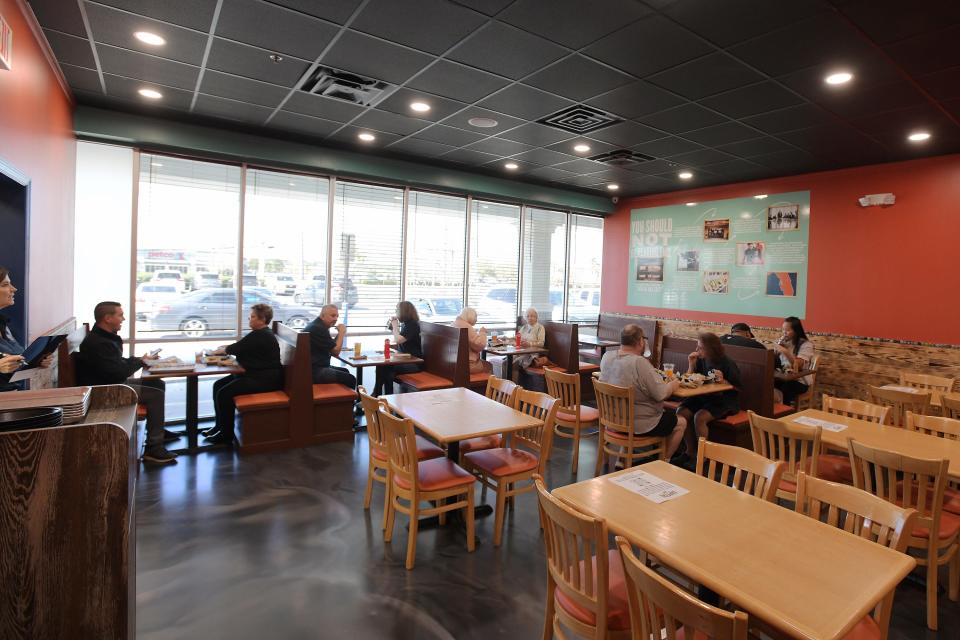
[207, 311]
[314, 293]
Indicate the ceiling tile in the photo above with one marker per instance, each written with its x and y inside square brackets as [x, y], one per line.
[590, 77]
[543, 157]
[523, 168]
[71, 49]
[374, 58]
[573, 23]
[683, 118]
[735, 168]
[468, 156]
[122, 62]
[499, 147]
[195, 14]
[700, 158]
[223, 85]
[665, 147]
[655, 167]
[317, 127]
[448, 135]
[596, 146]
[891, 21]
[274, 28]
[524, 102]
[536, 134]
[549, 173]
[231, 109]
[827, 139]
[901, 122]
[732, 21]
[461, 120]
[321, 107]
[626, 134]
[112, 26]
[857, 101]
[253, 62]
[338, 11]
[721, 134]
[417, 147]
[399, 102]
[488, 7]
[59, 16]
[754, 147]
[634, 100]
[943, 85]
[706, 76]
[452, 80]
[81, 79]
[506, 51]
[799, 117]
[389, 122]
[431, 25]
[748, 101]
[580, 165]
[348, 135]
[928, 53]
[126, 89]
[648, 46]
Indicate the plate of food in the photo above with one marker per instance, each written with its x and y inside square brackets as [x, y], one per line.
[692, 380]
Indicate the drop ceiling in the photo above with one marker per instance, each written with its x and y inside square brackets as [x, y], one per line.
[730, 90]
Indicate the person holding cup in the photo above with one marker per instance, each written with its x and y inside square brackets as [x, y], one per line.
[700, 410]
[405, 326]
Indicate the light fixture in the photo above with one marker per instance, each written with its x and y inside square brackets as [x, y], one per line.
[918, 136]
[840, 77]
[512, 165]
[691, 204]
[422, 107]
[684, 175]
[153, 94]
[149, 38]
[367, 137]
[760, 196]
[483, 123]
[581, 148]
[613, 187]
[276, 57]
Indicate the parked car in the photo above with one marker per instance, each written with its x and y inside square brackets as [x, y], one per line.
[151, 294]
[500, 304]
[170, 277]
[206, 311]
[281, 284]
[345, 294]
[438, 309]
[585, 303]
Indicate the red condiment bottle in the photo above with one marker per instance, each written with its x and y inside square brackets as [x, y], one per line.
[386, 349]
[517, 338]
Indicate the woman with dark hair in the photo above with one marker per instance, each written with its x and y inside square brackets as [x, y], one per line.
[700, 410]
[10, 347]
[794, 353]
[406, 335]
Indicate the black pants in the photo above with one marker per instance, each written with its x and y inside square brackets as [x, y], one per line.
[151, 393]
[226, 389]
[386, 375]
[790, 389]
[326, 375]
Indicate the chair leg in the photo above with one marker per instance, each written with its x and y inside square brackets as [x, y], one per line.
[471, 538]
[549, 614]
[390, 518]
[600, 454]
[955, 575]
[932, 584]
[386, 502]
[498, 520]
[442, 516]
[576, 449]
[369, 491]
[412, 537]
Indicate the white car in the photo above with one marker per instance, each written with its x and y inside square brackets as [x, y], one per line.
[281, 284]
[174, 278]
[152, 294]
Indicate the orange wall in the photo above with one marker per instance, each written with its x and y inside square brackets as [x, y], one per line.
[879, 272]
[36, 138]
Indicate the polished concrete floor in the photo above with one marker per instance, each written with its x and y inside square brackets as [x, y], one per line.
[279, 546]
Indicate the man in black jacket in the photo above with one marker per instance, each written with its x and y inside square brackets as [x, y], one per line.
[100, 361]
[741, 336]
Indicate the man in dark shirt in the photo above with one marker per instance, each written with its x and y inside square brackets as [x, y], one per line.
[100, 361]
[741, 336]
[323, 345]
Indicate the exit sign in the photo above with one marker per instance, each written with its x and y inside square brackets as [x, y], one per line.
[6, 44]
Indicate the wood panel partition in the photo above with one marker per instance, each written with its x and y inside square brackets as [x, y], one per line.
[67, 525]
[446, 352]
[562, 346]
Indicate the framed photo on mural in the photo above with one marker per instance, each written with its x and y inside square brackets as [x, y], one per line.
[716, 230]
[783, 217]
[716, 282]
[782, 284]
[750, 253]
[650, 269]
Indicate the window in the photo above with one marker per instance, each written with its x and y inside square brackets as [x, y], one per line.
[436, 234]
[367, 249]
[187, 224]
[544, 260]
[586, 258]
[494, 264]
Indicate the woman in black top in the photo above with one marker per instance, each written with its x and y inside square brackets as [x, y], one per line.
[406, 335]
[700, 410]
[10, 347]
[259, 354]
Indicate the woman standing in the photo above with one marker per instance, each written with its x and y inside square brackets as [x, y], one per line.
[477, 339]
[700, 410]
[532, 334]
[795, 352]
[406, 335]
[10, 347]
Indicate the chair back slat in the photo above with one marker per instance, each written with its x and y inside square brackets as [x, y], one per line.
[950, 404]
[502, 391]
[797, 445]
[857, 409]
[940, 384]
[740, 468]
[899, 402]
[615, 405]
[565, 387]
[401, 445]
[537, 439]
[375, 434]
[901, 479]
[938, 426]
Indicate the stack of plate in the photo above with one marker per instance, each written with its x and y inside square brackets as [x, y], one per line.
[73, 401]
[22, 419]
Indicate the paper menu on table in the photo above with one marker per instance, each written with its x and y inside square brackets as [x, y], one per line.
[823, 424]
[894, 387]
[649, 486]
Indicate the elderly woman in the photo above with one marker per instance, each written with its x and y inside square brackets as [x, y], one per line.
[10, 347]
[532, 334]
[476, 338]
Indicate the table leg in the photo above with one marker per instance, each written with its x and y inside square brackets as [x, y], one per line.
[509, 366]
[193, 401]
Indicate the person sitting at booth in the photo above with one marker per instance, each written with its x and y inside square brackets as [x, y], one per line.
[532, 334]
[405, 327]
[477, 339]
[794, 354]
[741, 336]
[10, 348]
[700, 410]
[323, 346]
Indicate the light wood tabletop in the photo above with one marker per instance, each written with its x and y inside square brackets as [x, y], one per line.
[911, 443]
[804, 578]
[703, 390]
[375, 359]
[934, 394]
[451, 415]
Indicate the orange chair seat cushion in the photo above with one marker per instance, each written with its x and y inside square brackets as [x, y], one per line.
[483, 442]
[835, 468]
[426, 450]
[618, 609]
[866, 629]
[949, 527]
[736, 421]
[262, 401]
[141, 411]
[501, 462]
[587, 414]
[780, 409]
[333, 392]
[424, 381]
[438, 474]
[587, 367]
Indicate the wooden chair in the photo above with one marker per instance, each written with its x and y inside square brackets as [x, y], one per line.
[899, 402]
[501, 469]
[660, 609]
[857, 409]
[504, 392]
[617, 437]
[940, 384]
[740, 468]
[571, 415]
[378, 462]
[795, 444]
[863, 515]
[939, 427]
[413, 482]
[585, 581]
[920, 484]
[950, 405]
[805, 399]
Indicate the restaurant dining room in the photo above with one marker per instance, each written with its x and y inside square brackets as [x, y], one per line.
[472, 319]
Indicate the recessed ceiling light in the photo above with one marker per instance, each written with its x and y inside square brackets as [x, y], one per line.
[153, 94]
[840, 77]
[613, 187]
[918, 136]
[511, 165]
[691, 204]
[420, 106]
[760, 196]
[685, 175]
[149, 38]
[483, 123]
[276, 57]
[582, 148]
[367, 137]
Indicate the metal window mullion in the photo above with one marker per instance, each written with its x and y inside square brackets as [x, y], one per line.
[566, 267]
[466, 253]
[404, 251]
[524, 222]
[135, 212]
[331, 204]
[239, 279]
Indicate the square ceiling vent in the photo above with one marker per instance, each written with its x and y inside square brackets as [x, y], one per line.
[348, 87]
[580, 119]
[623, 158]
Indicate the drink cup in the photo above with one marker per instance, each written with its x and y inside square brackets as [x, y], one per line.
[356, 350]
[668, 369]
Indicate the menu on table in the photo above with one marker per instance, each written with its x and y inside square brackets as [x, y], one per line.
[823, 424]
[649, 486]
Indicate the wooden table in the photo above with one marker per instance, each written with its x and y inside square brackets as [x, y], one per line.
[193, 396]
[934, 395]
[703, 390]
[375, 359]
[601, 344]
[911, 443]
[802, 577]
[509, 351]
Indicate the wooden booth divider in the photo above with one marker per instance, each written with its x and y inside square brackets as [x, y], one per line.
[445, 359]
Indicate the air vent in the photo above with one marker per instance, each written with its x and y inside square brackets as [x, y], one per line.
[621, 158]
[348, 87]
[580, 119]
